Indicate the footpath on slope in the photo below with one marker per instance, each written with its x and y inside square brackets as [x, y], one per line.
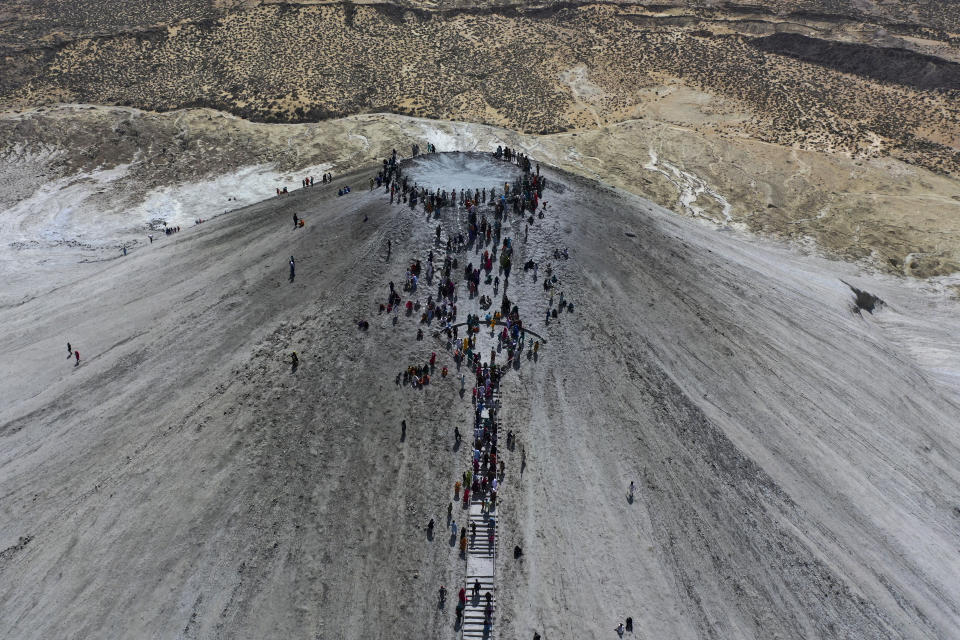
[464, 228]
[481, 552]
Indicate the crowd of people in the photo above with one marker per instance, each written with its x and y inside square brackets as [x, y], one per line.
[415, 151]
[523, 195]
[308, 181]
[484, 277]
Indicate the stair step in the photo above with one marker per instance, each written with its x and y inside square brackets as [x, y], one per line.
[481, 550]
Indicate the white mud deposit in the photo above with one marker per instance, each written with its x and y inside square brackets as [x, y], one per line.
[691, 188]
[461, 170]
[458, 136]
[184, 203]
[69, 209]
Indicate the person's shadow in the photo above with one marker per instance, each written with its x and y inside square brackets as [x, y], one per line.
[630, 498]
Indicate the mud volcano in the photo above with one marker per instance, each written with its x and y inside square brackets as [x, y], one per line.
[461, 171]
[183, 480]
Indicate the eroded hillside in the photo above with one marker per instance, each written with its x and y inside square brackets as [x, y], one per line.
[856, 78]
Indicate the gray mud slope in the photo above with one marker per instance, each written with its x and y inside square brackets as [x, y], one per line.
[795, 467]
[796, 471]
[182, 482]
